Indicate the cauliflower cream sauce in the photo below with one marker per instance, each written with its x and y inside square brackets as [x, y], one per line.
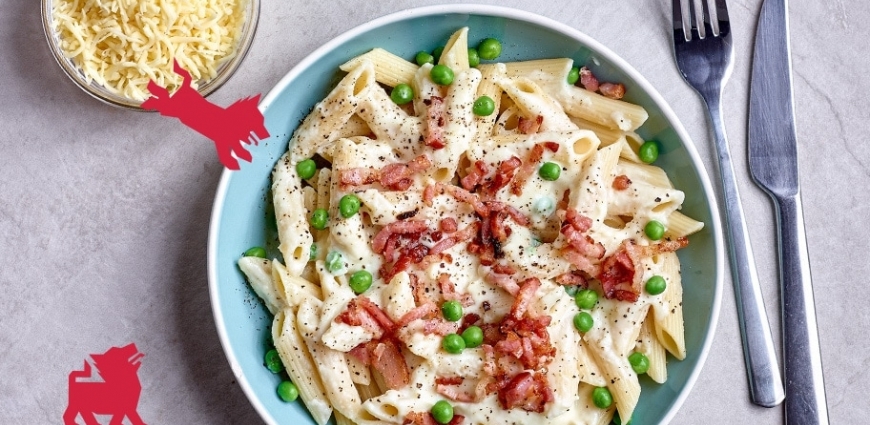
[527, 248]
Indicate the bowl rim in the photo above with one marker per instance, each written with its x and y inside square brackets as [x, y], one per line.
[224, 72]
[494, 11]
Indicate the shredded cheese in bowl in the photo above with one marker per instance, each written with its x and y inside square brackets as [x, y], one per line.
[121, 45]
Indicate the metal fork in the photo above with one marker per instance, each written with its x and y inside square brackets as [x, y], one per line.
[703, 50]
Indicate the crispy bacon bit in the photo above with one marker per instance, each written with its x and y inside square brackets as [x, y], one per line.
[611, 90]
[503, 176]
[517, 215]
[454, 393]
[563, 203]
[530, 126]
[468, 320]
[419, 290]
[588, 80]
[448, 225]
[401, 227]
[388, 360]
[621, 182]
[581, 249]
[357, 315]
[670, 245]
[429, 194]
[375, 311]
[529, 166]
[435, 122]
[449, 380]
[359, 176]
[448, 291]
[477, 172]
[463, 235]
[618, 275]
[424, 311]
[503, 281]
[502, 268]
[572, 278]
[525, 296]
[419, 418]
[527, 391]
[361, 352]
[398, 176]
[439, 326]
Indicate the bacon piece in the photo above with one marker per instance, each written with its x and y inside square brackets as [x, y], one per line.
[468, 320]
[357, 315]
[530, 125]
[447, 386]
[618, 277]
[502, 268]
[375, 311]
[503, 176]
[435, 122]
[573, 278]
[400, 227]
[400, 176]
[475, 175]
[588, 80]
[527, 391]
[611, 90]
[361, 352]
[504, 282]
[461, 236]
[388, 360]
[448, 225]
[448, 291]
[463, 195]
[423, 311]
[411, 254]
[621, 182]
[528, 168]
[419, 418]
[670, 245]
[524, 297]
[439, 326]
[517, 215]
[563, 203]
[429, 194]
[358, 176]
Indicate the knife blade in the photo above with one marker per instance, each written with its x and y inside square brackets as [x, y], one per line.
[773, 166]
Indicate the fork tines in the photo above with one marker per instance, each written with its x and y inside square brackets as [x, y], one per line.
[715, 20]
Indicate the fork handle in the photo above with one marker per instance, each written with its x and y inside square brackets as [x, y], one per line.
[805, 404]
[763, 373]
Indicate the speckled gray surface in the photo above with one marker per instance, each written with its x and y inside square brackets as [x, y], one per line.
[104, 212]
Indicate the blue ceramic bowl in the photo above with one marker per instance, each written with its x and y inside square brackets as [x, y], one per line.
[241, 217]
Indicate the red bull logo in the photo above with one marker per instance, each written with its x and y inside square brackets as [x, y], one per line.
[116, 395]
[226, 127]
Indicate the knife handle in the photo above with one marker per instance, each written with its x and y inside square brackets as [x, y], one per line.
[805, 389]
[762, 368]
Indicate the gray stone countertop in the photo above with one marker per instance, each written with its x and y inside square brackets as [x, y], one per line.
[104, 213]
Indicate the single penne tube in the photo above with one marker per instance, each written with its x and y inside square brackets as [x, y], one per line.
[458, 128]
[293, 230]
[259, 274]
[300, 365]
[490, 74]
[669, 313]
[611, 113]
[621, 380]
[455, 53]
[546, 71]
[680, 225]
[533, 101]
[390, 70]
[324, 123]
[649, 345]
[331, 364]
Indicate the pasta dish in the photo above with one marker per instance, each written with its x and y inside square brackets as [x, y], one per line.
[484, 244]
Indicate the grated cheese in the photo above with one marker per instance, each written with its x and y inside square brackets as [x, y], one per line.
[122, 44]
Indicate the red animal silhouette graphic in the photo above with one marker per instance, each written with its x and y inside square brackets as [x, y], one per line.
[117, 395]
[227, 128]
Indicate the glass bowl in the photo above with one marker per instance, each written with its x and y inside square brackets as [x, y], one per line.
[101, 93]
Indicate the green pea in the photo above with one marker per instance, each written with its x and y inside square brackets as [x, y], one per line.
[586, 299]
[319, 219]
[473, 57]
[656, 285]
[473, 337]
[452, 310]
[550, 171]
[255, 252]
[436, 54]
[273, 361]
[423, 58]
[441, 75]
[348, 206]
[572, 290]
[583, 321]
[639, 362]
[483, 106]
[442, 412]
[360, 281]
[306, 169]
[573, 75]
[312, 253]
[402, 94]
[601, 397]
[453, 343]
[334, 261]
[489, 49]
[648, 152]
[288, 391]
[544, 205]
[654, 230]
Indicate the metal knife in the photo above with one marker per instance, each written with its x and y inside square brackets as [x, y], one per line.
[773, 165]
